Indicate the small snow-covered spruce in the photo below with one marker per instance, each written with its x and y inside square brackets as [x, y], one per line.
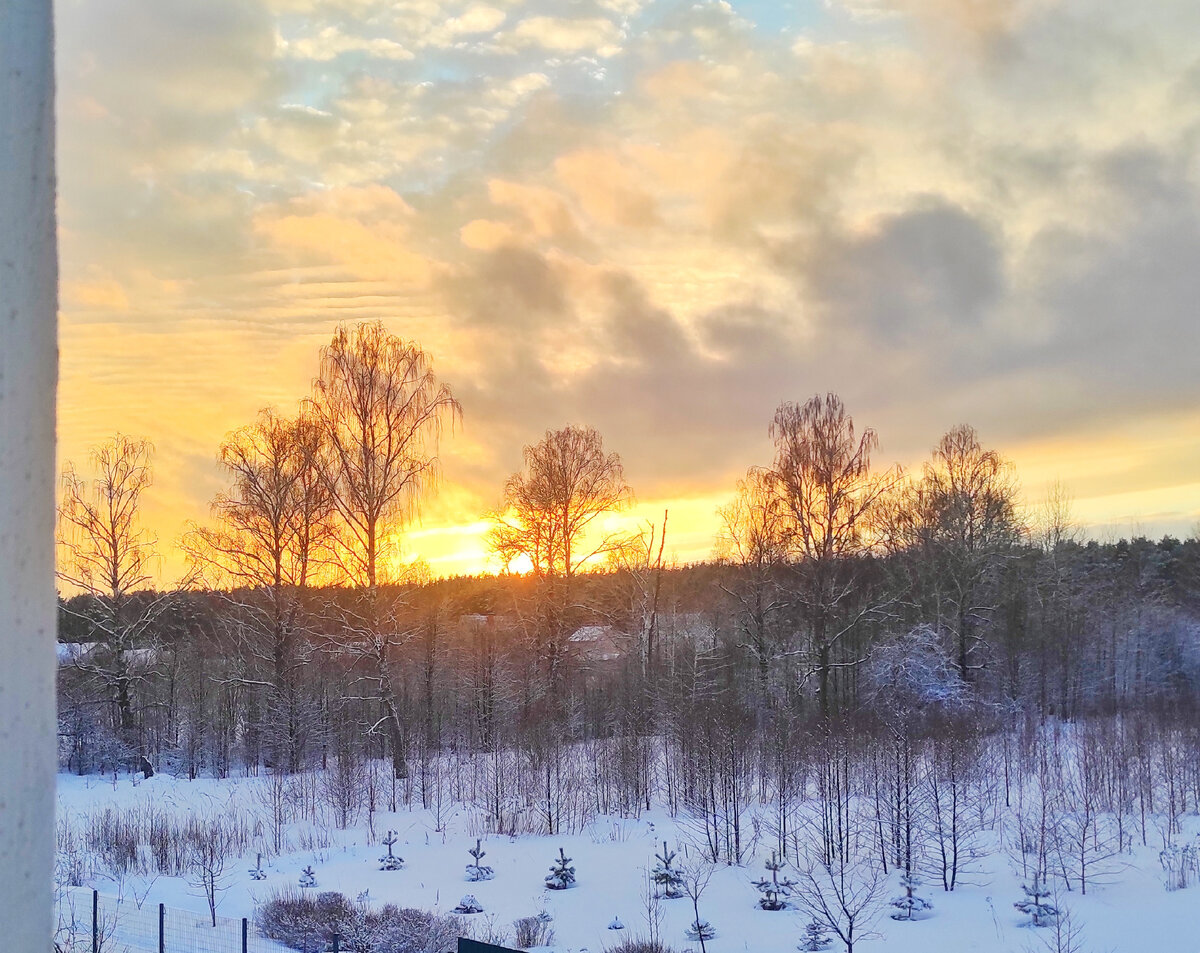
[562, 874]
[701, 930]
[469, 904]
[390, 861]
[256, 872]
[667, 877]
[616, 924]
[1036, 903]
[910, 906]
[308, 877]
[774, 890]
[816, 937]
[478, 871]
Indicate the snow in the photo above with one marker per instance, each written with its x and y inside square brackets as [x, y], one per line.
[612, 857]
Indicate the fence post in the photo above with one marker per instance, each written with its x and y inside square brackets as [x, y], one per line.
[95, 921]
[336, 947]
[162, 931]
[245, 935]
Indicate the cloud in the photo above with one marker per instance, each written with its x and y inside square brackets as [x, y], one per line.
[912, 277]
[331, 43]
[651, 217]
[607, 189]
[596, 36]
[98, 294]
[477, 18]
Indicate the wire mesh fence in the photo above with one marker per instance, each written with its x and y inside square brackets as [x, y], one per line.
[89, 922]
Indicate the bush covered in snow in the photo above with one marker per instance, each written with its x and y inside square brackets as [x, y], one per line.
[637, 945]
[533, 931]
[296, 920]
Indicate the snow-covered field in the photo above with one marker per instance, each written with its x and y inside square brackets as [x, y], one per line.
[1130, 912]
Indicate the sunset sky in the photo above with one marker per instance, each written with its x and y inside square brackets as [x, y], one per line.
[660, 219]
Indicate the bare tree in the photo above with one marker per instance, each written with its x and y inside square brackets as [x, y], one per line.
[274, 528]
[639, 559]
[844, 894]
[822, 472]
[208, 855]
[695, 873]
[753, 544]
[382, 409]
[545, 517]
[967, 522]
[107, 553]
[1086, 841]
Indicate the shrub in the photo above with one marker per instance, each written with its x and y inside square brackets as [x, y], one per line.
[638, 945]
[302, 921]
[533, 931]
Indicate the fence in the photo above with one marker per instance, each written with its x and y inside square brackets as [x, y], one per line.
[89, 922]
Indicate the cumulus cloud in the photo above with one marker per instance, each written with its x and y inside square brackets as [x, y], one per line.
[330, 43]
[657, 218]
[592, 35]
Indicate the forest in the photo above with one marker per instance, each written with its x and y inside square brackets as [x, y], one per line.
[872, 669]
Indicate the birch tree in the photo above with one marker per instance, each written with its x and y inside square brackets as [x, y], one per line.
[272, 532]
[822, 472]
[106, 553]
[382, 411]
[545, 518]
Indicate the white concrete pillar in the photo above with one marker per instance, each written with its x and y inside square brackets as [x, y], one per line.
[28, 373]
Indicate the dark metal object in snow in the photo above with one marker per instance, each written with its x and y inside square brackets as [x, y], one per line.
[474, 946]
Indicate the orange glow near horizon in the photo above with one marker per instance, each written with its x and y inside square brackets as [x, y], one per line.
[659, 220]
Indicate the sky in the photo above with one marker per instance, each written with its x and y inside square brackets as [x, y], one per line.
[659, 219]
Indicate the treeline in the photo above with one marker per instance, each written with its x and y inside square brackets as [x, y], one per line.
[302, 637]
[1080, 630]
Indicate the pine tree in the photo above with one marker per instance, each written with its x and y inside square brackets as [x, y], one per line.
[774, 891]
[308, 877]
[616, 924]
[908, 906]
[816, 937]
[561, 875]
[469, 904]
[701, 930]
[390, 861]
[478, 871]
[667, 877]
[256, 872]
[1035, 903]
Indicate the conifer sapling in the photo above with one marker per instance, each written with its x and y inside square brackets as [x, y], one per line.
[562, 874]
[910, 905]
[816, 937]
[666, 876]
[390, 861]
[774, 891]
[1036, 903]
[478, 871]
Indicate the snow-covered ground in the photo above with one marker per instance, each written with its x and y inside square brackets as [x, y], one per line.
[1129, 913]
